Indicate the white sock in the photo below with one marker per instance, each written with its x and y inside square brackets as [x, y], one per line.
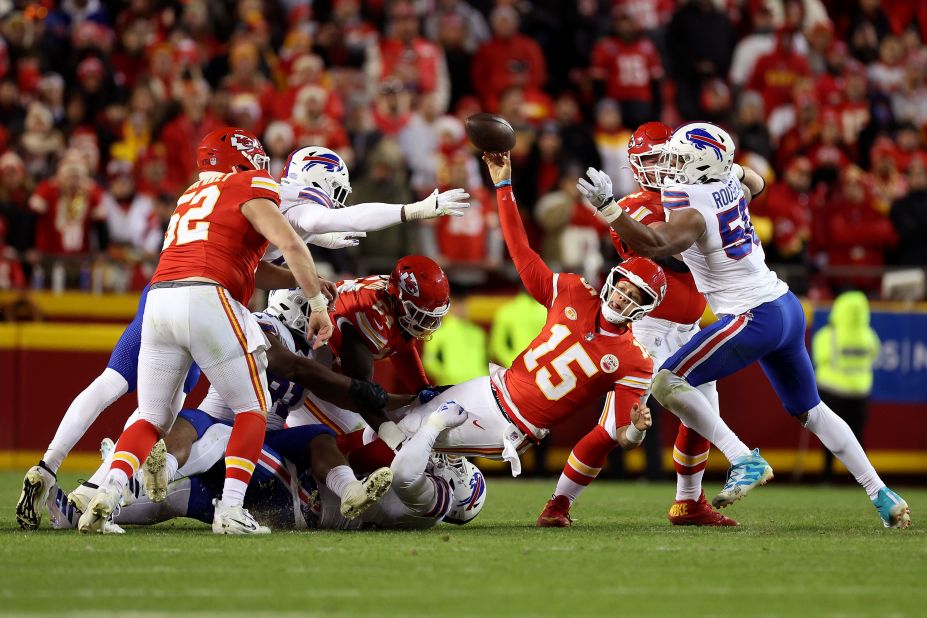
[339, 479]
[233, 492]
[838, 438]
[568, 487]
[696, 411]
[116, 479]
[171, 465]
[689, 486]
[207, 451]
[83, 411]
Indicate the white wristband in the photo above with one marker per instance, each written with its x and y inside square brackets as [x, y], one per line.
[633, 434]
[318, 303]
[611, 211]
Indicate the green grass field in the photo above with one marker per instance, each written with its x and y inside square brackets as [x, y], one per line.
[800, 551]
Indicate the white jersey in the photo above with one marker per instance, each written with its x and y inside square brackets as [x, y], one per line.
[284, 395]
[727, 261]
[311, 211]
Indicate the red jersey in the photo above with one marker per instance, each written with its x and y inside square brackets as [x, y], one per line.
[367, 306]
[577, 358]
[208, 236]
[628, 67]
[463, 239]
[63, 225]
[683, 303]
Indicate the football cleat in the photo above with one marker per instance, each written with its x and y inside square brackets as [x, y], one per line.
[155, 477]
[556, 513]
[359, 496]
[99, 511]
[697, 513]
[745, 473]
[82, 495]
[892, 509]
[235, 520]
[36, 485]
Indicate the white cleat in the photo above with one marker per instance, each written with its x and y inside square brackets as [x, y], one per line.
[81, 497]
[100, 509]
[235, 520]
[359, 496]
[155, 473]
[36, 484]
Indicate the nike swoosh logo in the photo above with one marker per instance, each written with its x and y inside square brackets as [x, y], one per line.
[244, 524]
[478, 425]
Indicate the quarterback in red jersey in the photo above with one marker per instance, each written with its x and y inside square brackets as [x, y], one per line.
[586, 350]
[376, 318]
[662, 332]
[196, 312]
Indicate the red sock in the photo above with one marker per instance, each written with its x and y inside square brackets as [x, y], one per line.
[585, 462]
[242, 452]
[369, 457]
[133, 447]
[350, 442]
[690, 456]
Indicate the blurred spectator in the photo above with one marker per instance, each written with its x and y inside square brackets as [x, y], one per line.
[458, 12]
[629, 67]
[11, 271]
[908, 146]
[68, 206]
[611, 138]
[418, 140]
[908, 100]
[868, 25]
[514, 326]
[507, 59]
[182, 135]
[700, 41]
[452, 37]
[887, 182]
[544, 165]
[577, 136]
[844, 352]
[760, 41]
[750, 125]
[392, 108]
[247, 84]
[127, 211]
[909, 216]
[156, 226]
[857, 233]
[15, 189]
[312, 126]
[40, 143]
[135, 130]
[457, 351]
[788, 206]
[888, 72]
[828, 153]
[278, 142]
[775, 73]
[416, 62]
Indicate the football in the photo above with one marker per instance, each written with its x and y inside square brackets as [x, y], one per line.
[490, 133]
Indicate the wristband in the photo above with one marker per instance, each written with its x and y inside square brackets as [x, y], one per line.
[318, 303]
[633, 434]
[504, 183]
[610, 210]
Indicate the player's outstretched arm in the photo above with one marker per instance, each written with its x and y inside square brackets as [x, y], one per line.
[752, 182]
[534, 273]
[264, 215]
[652, 241]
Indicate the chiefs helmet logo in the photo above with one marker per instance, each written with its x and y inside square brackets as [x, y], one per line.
[409, 284]
[242, 143]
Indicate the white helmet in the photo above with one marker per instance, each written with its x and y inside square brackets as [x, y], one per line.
[468, 487]
[291, 308]
[697, 153]
[319, 168]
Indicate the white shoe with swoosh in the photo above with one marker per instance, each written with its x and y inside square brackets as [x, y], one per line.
[235, 520]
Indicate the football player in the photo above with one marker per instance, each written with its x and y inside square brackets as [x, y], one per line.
[662, 332]
[585, 351]
[426, 490]
[706, 196]
[195, 312]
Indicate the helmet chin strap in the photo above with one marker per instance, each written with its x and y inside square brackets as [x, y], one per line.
[614, 317]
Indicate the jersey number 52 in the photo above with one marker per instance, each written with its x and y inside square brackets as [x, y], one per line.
[191, 225]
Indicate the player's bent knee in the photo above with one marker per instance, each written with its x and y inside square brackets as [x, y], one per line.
[663, 384]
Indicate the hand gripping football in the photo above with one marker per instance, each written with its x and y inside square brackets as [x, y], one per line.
[490, 133]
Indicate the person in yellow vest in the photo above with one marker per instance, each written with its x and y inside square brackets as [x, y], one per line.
[457, 351]
[843, 352]
[514, 327]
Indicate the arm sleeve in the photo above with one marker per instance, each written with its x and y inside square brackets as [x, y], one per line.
[417, 490]
[310, 218]
[624, 397]
[408, 365]
[535, 275]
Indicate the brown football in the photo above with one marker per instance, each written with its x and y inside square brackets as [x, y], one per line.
[490, 133]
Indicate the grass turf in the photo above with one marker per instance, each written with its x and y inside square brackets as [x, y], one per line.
[800, 551]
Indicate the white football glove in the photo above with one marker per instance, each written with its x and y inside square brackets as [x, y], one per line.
[337, 240]
[450, 414]
[598, 192]
[452, 202]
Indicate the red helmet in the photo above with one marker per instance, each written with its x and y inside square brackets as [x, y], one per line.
[230, 149]
[641, 152]
[423, 291]
[649, 279]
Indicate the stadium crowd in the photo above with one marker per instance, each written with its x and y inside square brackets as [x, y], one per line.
[103, 102]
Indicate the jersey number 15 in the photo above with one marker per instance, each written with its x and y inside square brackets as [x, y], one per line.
[191, 225]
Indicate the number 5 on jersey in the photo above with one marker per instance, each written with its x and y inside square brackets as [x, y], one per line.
[561, 364]
[188, 223]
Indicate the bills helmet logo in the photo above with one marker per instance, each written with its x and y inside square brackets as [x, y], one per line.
[409, 284]
[477, 487]
[702, 139]
[330, 162]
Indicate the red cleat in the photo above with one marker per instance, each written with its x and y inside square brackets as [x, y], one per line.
[696, 513]
[556, 513]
